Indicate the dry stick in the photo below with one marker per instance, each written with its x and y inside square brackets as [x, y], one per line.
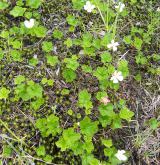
[19, 140]
[123, 55]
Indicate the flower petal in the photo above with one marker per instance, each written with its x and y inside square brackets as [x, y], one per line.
[109, 46]
[115, 80]
[114, 48]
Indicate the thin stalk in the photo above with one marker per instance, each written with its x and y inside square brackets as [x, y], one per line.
[103, 19]
[115, 26]
[19, 140]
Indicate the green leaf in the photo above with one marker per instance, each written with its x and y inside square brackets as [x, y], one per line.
[68, 42]
[87, 40]
[34, 3]
[29, 90]
[106, 57]
[37, 104]
[48, 126]
[17, 11]
[77, 4]
[87, 127]
[138, 43]
[71, 63]
[48, 158]
[86, 68]
[106, 39]
[68, 140]
[69, 75]
[101, 73]
[3, 5]
[41, 151]
[107, 142]
[88, 146]
[107, 110]
[109, 152]
[97, 43]
[33, 61]
[154, 123]
[100, 95]
[141, 59]
[16, 44]
[127, 39]
[123, 67]
[117, 122]
[4, 34]
[47, 46]
[72, 20]
[84, 99]
[19, 79]
[52, 60]
[4, 92]
[89, 159]
[16, 55]
[40, 31]
[105, 120]
[7, 151]
[57, 34]
[126, 114]
[1, 54]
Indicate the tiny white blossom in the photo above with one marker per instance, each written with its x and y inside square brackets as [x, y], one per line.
[158, 9]
[29, 24]
[113, 45]
[117, 76]
[120, 155]
[35, 56]
[120, 6]
[89, 7]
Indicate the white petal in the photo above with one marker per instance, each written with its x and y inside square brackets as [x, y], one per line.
[89, 10]
[92, 7]
[116, 6]
[119, 73]
[35, 56]
[120, 155]
[120, 78]
[116, 44]
[29, 24]
[85, 7]
[89, 7]
[109, 46]
[114, 48]
[123, 158]
[122, 151]
[88, 3]
[114, 79]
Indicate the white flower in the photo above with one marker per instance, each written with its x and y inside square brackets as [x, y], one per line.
[35, 56]
[89, 7]
[117, 76]
[158, 9]
[29, 24]
[120, 6]
[120, 155]
[113, 45]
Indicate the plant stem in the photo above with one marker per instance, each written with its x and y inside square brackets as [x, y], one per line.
[19, 140]
[103, 19]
